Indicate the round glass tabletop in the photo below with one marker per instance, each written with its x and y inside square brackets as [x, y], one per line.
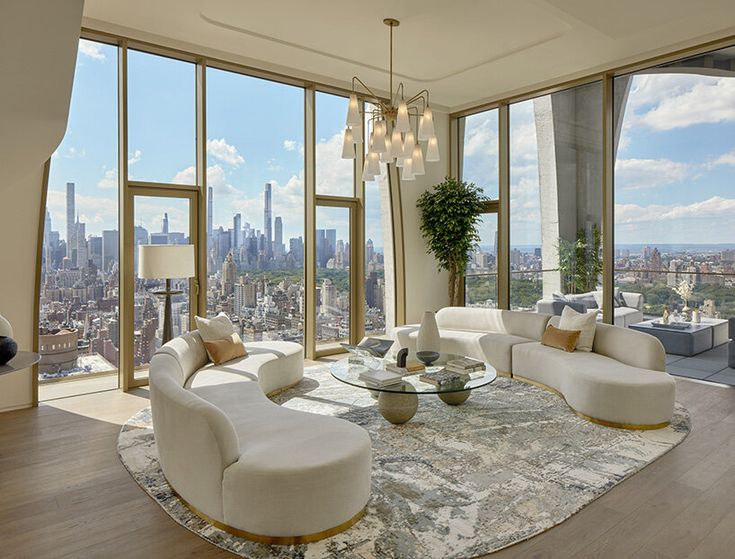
[349, 371]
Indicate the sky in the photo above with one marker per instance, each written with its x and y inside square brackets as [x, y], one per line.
[255, 131]
[675, 166]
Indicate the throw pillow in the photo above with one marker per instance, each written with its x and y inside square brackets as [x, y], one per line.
[620, 299]
[565, 340]
[584, 322]
[558, 296]
[212, 329]
[221, 351]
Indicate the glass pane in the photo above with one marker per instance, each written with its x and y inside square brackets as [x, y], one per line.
[332, 274]
[334, 175]
[527, 289]
[161, 119]
[555, 192]
[674, 196]
[379, 297]
[79, 267]
[255, 165]
[481, 280]
[158, 221]
[480, 151]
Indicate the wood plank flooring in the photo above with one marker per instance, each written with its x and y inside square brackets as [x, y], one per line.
[64, 493]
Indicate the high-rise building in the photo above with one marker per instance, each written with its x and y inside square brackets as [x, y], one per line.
[70, 217]
[331, 235]
[164, 226]
[229, 275]
[94, 245]
[236, 234]
[268, 220]
[278, 247]
[110, 249]
[369, 251]
[210, 202]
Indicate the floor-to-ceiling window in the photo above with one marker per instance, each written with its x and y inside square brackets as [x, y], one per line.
[556, 199]
[675, 194]
[80, 274]
[255, 229]
[480, 166]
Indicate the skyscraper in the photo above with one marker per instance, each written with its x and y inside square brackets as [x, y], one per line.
[210, 196]
[278, 247]
[268, 220]
[236, 234]
[71, 240]
[164, 227]
[109, 249]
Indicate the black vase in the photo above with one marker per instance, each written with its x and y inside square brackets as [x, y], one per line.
[8, 349]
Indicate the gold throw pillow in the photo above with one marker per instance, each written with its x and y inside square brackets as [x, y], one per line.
[560, 339]
[227, 349]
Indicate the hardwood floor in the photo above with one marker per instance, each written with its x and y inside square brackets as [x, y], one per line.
[64, 493]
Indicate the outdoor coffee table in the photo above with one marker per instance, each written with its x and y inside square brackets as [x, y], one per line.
[686, 338]
[398, 402]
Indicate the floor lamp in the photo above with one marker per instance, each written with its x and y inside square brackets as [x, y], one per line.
[166, 262]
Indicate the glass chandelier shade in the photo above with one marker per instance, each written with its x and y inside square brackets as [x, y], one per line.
[407, 174]
[417, 161]
[386, 156]
[379, 145]
[426, 125]
[348, 145]
[402, 122]
[408, 143]
[354, 118]
[373, 163]
[396, 144]
[432, 150]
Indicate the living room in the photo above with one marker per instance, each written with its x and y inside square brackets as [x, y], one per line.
[322, 280]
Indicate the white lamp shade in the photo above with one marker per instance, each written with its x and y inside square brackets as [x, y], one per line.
[432, 149]
[353, 111]
[379, 137]
[407, 173]
[426, 125]
[417, 161]
[366, 176]
[165, 261]
[386, 156]
[399, 161]
[373, 163]
[357, 134]
[396, 144]
[408, 144]
[348, 145]
[402, 122]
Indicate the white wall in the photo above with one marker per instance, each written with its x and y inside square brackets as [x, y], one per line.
[38, 42]
[426, 287]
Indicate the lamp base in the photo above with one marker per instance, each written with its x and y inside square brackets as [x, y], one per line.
[168, 331]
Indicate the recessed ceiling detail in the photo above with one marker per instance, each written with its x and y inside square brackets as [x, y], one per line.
[438, 38]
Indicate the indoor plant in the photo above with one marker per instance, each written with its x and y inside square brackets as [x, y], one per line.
[450, 213]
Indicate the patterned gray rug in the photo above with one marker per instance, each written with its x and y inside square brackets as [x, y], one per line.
[454, 482]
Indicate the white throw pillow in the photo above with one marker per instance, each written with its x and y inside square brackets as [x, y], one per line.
[213, 329]
[584, 322]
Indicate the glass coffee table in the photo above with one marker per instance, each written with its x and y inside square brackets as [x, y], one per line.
[398, 402]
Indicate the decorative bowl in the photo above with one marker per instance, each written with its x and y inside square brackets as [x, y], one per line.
[427, 357]
[8, 349]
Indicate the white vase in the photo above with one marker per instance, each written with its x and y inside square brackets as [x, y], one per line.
[428, 337]
[5, 328]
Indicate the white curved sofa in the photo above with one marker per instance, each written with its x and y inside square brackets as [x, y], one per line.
[245, 464]
[621, 383]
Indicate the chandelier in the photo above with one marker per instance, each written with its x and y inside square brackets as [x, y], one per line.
[395, 132]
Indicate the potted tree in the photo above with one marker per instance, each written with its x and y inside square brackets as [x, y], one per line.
[450, 213]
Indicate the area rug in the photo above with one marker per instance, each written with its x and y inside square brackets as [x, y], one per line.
[454, 482]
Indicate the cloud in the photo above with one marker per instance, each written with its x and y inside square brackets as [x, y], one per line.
[186, 176]
[98, 212]
[632, 174]
[293, 145]
[108, 180]
[724, 159]
[333, 174]
[135, 157]
[224, 152]
[705, 101]
[714, 207]
[91, 50]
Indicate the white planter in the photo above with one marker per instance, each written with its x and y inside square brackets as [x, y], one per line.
[5, 328]
[428, 337]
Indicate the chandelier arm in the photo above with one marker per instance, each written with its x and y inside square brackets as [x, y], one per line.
[399, 88]
[420, 95]
[378, 100]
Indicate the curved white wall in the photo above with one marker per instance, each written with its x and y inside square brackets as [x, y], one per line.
[38, 47]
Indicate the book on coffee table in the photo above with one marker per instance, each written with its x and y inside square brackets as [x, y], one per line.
[380, 378]
[465, 364]
[443, 377]
[411, 368]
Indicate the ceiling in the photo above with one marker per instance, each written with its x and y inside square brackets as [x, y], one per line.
[464, 51]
